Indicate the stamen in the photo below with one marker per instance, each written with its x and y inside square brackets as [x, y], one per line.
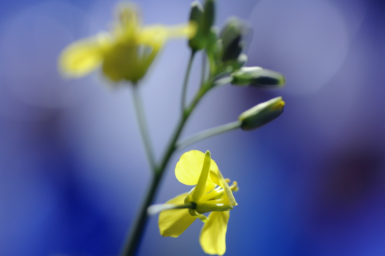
[234, 186]
[213, 194]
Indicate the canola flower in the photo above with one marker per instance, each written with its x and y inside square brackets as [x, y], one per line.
[126, 53]
[211, 194]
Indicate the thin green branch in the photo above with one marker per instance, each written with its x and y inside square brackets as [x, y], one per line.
[172, 144]
[204, 68]
[185, 81]
[208, 133]
[137, 230]
[143, 127]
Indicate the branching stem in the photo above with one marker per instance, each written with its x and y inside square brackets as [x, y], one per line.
[139, 111]
[185, 81]
[208, 133]
[137, 231]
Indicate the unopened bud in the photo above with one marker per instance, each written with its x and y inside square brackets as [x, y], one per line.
[261, 114]
[232, 39]
[208, 17]
[196, 12]
[257, 77]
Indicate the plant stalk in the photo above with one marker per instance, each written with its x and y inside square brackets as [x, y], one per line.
[209, 133]
[185, 81]
[143, 127]
[136, 234]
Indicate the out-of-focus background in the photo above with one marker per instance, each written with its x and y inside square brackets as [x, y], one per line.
[73, 169]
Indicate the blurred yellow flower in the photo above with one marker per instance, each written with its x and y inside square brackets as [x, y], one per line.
[212, 193]
[125, 53]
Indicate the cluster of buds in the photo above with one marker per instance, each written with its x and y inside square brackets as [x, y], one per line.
[226, 57]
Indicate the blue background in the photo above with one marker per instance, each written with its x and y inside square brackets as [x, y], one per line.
[73, 169]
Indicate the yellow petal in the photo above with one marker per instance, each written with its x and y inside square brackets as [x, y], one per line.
[189, 167]
[187, 30]
[175, 222]
[201, 185]
[156, 35]
[153, 36]
[213, 234]
[83, 56]
[129, 20]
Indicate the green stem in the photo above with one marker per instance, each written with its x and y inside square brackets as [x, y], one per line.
[185, 81]
[137, 231]
[172, 144]
[209, 133]
[143, 127]
[203, 72]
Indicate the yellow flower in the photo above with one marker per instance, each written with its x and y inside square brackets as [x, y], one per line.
[212, 193]
[125, 53]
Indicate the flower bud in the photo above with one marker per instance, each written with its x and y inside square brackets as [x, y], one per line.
[261, 114]
[257, 77]
[196, 12]
[208, 17]
[232, 39]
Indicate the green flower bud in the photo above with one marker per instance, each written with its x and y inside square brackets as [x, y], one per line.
[261, 114]
[213, 51]
[232, 39]
[208, 17]
[196, 12]
[204, 20]
[257, 77]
